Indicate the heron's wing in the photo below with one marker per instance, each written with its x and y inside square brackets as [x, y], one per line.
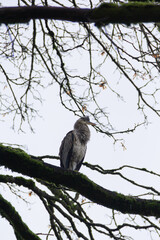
[66, 148]
[80, 163]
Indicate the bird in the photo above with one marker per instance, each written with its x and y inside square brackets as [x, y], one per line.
[74, 145]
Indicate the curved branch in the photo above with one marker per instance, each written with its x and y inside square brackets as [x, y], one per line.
[17, 160]
[20, 228]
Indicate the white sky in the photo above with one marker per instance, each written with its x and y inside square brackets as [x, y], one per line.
[142, 150]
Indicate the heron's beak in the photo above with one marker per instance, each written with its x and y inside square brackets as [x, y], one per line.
[90, 123]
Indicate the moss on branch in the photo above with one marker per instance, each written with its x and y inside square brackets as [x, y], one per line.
[22, 163]
[20, 228]
[132, 12]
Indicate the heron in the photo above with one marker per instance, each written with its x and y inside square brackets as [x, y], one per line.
[74, 145]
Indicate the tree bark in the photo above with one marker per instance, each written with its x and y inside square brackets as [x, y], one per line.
[18, 161]
[106, 13]
[20, 228]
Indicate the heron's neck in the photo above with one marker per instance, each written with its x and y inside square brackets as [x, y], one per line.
[83, 133]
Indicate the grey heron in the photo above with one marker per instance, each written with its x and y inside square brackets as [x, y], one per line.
[74, 145]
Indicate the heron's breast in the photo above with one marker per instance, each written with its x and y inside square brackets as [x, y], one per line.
[79, 150]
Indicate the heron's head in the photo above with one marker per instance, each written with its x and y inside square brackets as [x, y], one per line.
[85, 120]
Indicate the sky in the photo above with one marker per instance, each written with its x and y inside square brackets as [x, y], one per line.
[141, 150]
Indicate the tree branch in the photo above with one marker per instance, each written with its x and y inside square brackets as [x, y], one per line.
[106, 13]
[20, 228]
[25, 14]
[17, 160]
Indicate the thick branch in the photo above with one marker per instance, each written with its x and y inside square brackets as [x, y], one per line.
[25, 14]
[106, 13]
[19, 161]
[20, 228]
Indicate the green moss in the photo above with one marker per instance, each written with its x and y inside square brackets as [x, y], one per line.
[18, 160]
[107, 5]
[127, 5]
[8, 211]
[17, 151]
[130, 12]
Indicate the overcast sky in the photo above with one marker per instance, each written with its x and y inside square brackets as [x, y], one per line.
[141, 150]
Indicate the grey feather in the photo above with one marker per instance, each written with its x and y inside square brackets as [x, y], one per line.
[66, 149]
[74, 145]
